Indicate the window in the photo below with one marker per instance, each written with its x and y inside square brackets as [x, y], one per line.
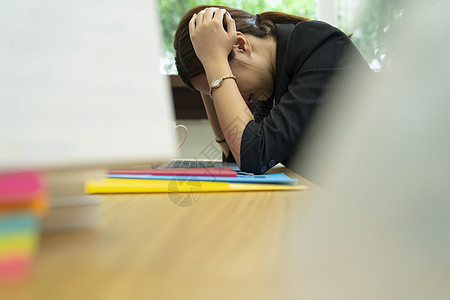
[371, 23]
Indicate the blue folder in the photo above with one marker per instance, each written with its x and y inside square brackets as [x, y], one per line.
[278, 178]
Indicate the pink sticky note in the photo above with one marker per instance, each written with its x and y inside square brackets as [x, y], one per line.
[15, 268]
[20, 187]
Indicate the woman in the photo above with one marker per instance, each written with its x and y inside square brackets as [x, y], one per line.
[261, 77]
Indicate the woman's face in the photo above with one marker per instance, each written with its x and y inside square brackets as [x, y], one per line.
[254, 81]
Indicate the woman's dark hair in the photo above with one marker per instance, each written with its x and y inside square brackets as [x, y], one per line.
[259, 25]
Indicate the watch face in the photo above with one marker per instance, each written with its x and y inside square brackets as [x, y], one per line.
[216, 82]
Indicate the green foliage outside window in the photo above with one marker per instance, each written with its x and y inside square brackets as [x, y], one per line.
[171, 12]
[371, 22]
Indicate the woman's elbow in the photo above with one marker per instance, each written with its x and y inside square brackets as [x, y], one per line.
[255, 166]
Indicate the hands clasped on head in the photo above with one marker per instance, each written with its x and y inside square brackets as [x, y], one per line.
[210, 40]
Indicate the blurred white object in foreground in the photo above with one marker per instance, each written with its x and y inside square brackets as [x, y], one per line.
[80, 85]
[383, 231]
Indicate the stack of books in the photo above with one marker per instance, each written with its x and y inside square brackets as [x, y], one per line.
[23, 200]
[70, 209]
[221, 179]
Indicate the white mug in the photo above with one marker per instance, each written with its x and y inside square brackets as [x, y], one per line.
[175, 127]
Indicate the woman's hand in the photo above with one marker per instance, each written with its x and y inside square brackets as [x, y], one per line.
[210, 40]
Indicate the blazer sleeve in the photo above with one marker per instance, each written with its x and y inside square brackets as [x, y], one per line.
[275, 138]
[261, 109]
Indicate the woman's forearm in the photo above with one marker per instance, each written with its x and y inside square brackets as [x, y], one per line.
[212, 117]
[231, 110]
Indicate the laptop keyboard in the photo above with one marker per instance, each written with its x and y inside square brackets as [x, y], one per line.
[179, 164]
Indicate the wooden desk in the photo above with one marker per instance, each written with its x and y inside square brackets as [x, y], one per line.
[225, 246]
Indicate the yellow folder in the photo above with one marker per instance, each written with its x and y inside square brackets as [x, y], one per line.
[113, 186]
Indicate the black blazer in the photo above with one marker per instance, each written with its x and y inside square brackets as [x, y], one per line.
[309, 54]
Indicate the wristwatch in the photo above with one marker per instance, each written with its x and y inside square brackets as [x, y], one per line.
[218, 82]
